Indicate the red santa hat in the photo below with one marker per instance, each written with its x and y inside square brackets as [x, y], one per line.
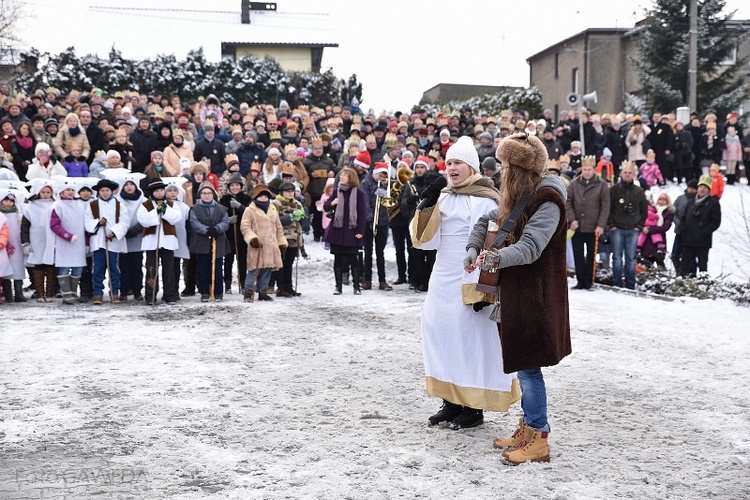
[380, 167]
[363, 159]
[424, 160]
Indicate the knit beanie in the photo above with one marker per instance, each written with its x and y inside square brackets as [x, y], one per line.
[490, 164]
[523, 151]
[463, 149]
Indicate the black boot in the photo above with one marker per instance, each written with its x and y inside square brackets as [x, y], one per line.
[731, 179]
[18, 285]
[8, 291]
[469, 417]
[447, 413]
[337, 276]
[355, 279]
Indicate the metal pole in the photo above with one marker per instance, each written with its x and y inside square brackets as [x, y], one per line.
[692, 97]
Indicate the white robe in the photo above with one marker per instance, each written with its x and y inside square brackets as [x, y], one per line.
[462, 354]
[118, 227]
[40, 235]
[63, 252]
[18, 271]
[147, 218]
[182, 251]
[134, 243]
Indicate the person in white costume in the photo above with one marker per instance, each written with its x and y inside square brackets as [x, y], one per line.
[67, 245]
[462, 354]
[107, 221]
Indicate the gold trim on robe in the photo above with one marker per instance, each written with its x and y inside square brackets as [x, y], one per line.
[473, 397]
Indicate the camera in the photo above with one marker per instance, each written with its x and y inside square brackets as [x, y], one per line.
[629, 208]
[633, 142]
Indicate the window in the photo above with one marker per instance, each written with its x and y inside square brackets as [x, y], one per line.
[731, 57]
[228, 52]
[575, 80]
[557, 64]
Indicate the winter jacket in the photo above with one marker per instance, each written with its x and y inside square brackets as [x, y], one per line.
[144, 142]
[649, 250]
[554, 149]
[212, 150]
[97, 141]
[234, 229]
[267, 229]
[345, 236]
[651, 173]
[63, 142]
[292, 229]
[588, 203]
[702, 219]
[38, 171]
[247, 154]
[680, 207]
[733, 151]
[202, 218]
[634, 142]
[125, 151]
[628, 206]
[75, 167]
[172, 155]
[615, 141]
[370, 186]
[533, 278]
[318, 168]
[717, 185]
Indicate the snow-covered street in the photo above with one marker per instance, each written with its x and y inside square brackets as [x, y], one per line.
[322, 397]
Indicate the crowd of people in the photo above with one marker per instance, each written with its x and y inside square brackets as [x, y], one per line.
[387, 161]
[89, 183]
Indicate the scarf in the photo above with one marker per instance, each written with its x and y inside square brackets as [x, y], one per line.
[130, 196]
[24, 142]
[699, 200]
[74, 131]
[338, 218]
[660, 212]
[475, 185]
[263, 205]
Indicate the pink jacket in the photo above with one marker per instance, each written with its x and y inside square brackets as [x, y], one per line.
[651, 174]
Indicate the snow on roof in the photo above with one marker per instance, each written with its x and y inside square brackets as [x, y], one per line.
[143, 33]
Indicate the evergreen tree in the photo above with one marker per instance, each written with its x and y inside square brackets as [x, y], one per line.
[663, 45]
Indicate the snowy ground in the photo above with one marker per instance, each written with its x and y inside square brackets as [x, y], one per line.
[322, 397]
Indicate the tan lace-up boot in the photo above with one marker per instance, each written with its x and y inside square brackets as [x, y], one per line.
[533, 449]
[521, 433]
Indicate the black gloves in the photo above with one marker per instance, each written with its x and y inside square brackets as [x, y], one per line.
[213, 231]
[255, 243]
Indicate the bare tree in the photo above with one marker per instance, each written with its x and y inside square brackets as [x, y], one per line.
[11, 13]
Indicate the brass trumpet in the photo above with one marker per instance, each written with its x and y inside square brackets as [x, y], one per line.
[403, 175]
[387, 201]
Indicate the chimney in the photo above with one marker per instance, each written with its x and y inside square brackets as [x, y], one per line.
[248, 6]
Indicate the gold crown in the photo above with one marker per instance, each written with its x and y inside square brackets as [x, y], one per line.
[274, 135]
[411, 140]
[505, 123]
[553, 164]
[290, 147]
[627, 164]
[317, 142]
[390, 140]
[370, 137]
[588, 161]
[506, 113]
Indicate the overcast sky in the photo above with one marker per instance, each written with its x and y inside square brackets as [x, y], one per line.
[400, 48]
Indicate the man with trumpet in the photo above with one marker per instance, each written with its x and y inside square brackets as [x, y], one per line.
[377, 187]
[398, 223]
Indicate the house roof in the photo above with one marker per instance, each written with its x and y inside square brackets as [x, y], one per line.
[143, 33]
[577, 36]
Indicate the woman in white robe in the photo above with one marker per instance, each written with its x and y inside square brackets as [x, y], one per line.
[461, 347]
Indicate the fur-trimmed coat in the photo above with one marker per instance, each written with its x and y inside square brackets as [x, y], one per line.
[267, 228]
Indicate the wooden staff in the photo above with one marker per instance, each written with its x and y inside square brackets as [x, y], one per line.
[213, 267]
[596, 251]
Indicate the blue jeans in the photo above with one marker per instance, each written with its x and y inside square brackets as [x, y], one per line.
[100, 269]
[73, 271]
[264, 276]
[624, 240]
[534, 399]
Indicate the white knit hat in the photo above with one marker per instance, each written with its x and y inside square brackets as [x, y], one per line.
[463, 149]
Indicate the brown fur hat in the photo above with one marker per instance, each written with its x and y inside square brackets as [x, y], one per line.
[523, 151]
